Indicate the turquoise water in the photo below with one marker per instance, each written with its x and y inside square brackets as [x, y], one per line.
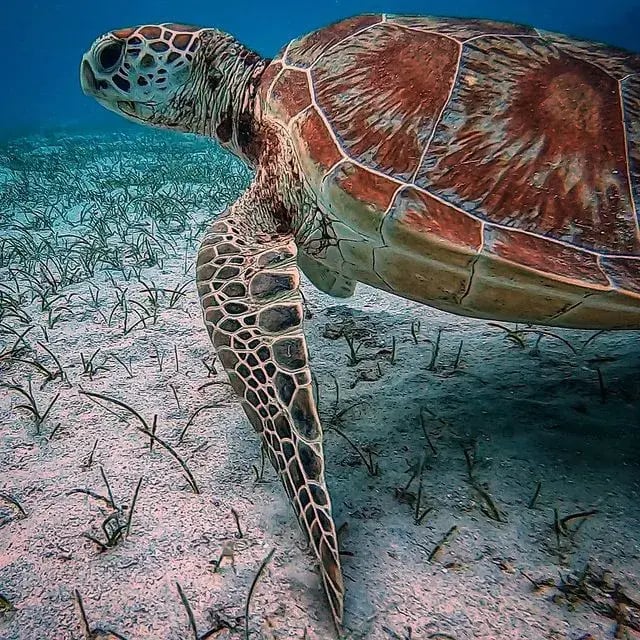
[485, 477]
[44, 40]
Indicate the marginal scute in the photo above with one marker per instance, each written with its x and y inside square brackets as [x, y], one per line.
[624, 272]
[544, 255]
[418, 214]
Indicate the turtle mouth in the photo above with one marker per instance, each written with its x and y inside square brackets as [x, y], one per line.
[127, 107]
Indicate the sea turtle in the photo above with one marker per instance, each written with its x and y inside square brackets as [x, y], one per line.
[483, 168]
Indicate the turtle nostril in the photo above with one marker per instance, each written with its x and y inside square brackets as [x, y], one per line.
[110, 54]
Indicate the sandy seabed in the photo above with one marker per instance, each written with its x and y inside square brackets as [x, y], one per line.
[486, 479]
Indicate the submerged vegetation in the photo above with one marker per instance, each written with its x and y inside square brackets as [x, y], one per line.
[98, 314]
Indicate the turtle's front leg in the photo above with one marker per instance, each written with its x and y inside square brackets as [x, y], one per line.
[249, 288]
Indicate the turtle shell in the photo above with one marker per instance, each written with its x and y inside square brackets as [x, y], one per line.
[480, 145]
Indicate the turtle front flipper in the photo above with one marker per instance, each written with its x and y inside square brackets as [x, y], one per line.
[249, 288]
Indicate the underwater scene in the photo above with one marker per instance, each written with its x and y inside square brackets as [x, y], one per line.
[320, 321]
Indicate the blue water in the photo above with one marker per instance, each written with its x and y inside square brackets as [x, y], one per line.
[43, 41]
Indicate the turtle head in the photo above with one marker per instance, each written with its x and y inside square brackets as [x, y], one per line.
[144, 73]
[174, 76]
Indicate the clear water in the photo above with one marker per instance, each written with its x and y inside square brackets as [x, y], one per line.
[488, 473]
[44, 40]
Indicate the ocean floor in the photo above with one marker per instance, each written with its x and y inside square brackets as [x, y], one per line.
[485, 478]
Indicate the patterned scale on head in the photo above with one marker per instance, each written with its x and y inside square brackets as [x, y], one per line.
[486, 169]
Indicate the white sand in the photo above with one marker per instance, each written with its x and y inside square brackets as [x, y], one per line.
[529, 415]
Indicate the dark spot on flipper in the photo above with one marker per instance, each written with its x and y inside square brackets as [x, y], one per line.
[226, 273]
[311, 462]
[268, 285]
[270, 368]
[303, 497]
[263, 353]
[221, 339]
[282, 428]
[285, 386]
[260, 376]
[228, 358]
[288, 450]
[235, 308]
[273, 258]
[303, 415]
[289, 353]
[252, 398]
[280, 318]
[213, 315]
[226, 249]
[235, 290]
[244, 371]
[254, 418]
[295, 473]
[318, 494]
[230, 324]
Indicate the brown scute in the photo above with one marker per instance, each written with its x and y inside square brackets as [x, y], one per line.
[616, 62]
[320, 146]
[266, 286]
[304, 52]
[544, 255]
[367, 188]
[631, 103]
[533, 139]
[185, 28]
[267, 78]
[383, 91]
[123, 34]
[280, 318]
[303, 415]
[419, 213]
[289, 353]
[150, 32]
[290, 93]
[461, 28]
[228, 358]
[181, 41]
[624, 272]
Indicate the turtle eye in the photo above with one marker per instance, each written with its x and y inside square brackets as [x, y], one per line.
[109, 55]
